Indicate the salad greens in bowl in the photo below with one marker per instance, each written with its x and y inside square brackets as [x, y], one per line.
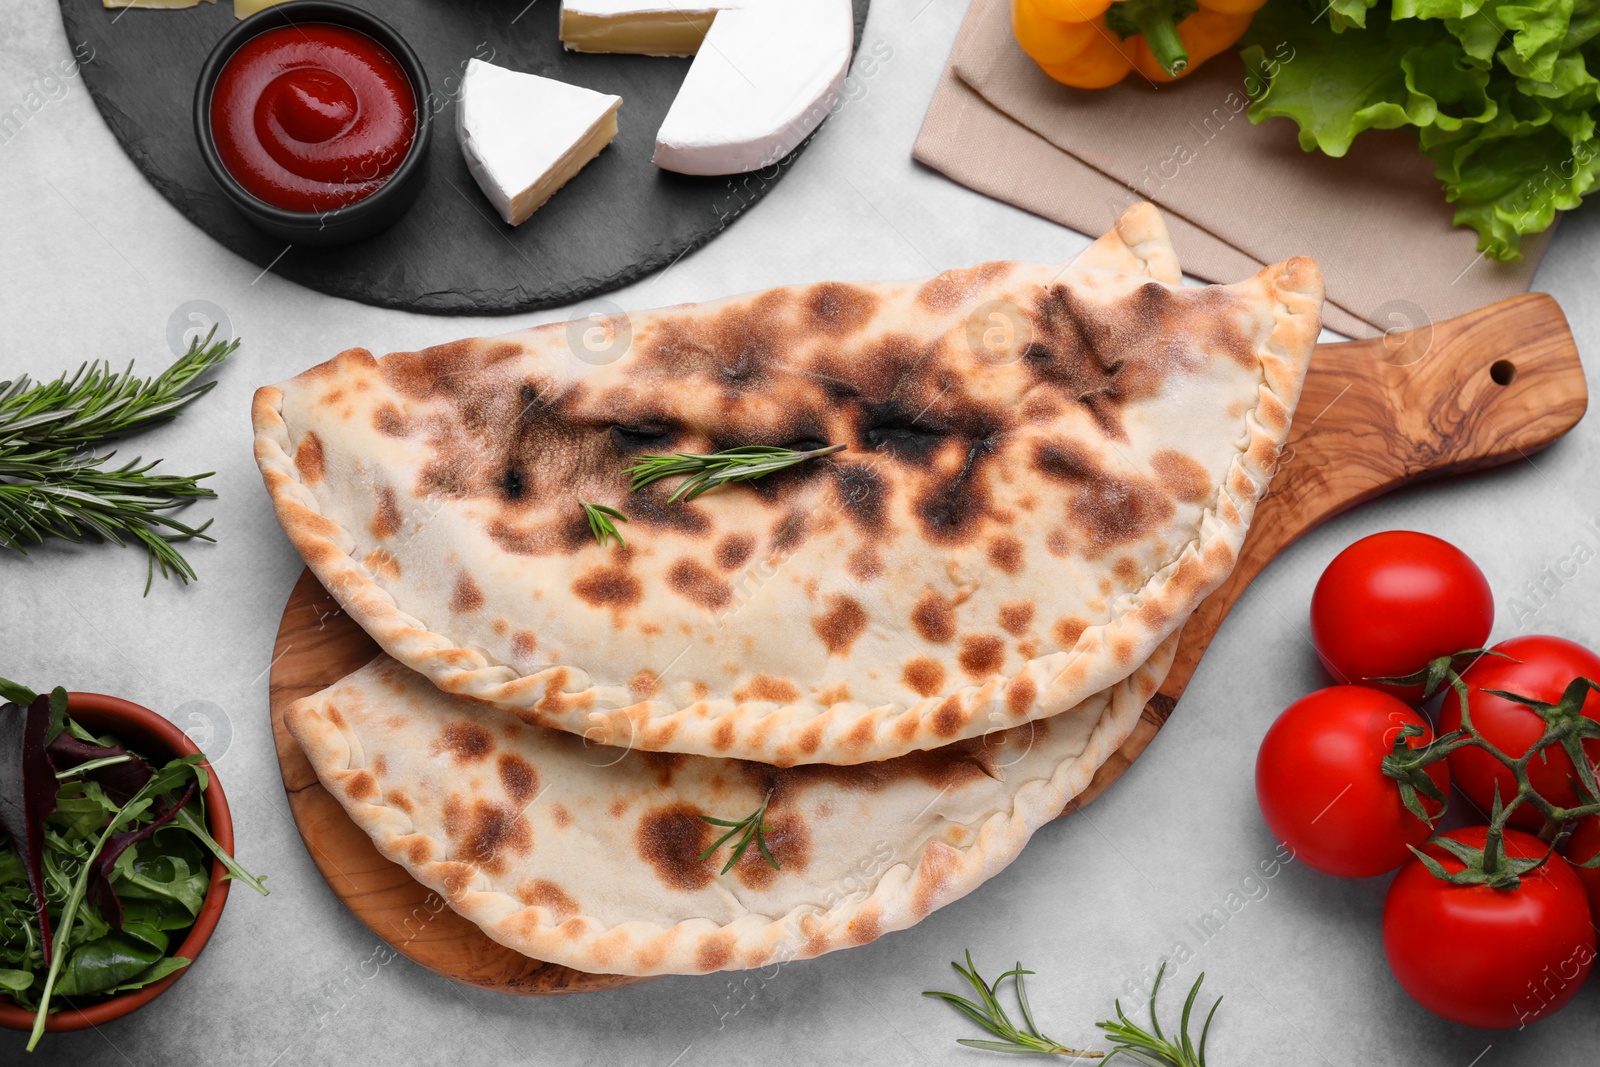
[115, 857]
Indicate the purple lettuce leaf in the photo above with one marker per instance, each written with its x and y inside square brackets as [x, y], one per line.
[28, 794]
[100, 889]
[120, 780]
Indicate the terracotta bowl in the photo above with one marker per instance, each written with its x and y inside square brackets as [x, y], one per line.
[156, 739]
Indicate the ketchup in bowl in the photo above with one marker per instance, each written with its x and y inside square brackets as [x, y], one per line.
[313, 116]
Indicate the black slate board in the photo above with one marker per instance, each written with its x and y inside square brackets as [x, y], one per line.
[618, 220]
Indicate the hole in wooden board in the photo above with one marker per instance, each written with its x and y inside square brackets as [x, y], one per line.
[1503, 372]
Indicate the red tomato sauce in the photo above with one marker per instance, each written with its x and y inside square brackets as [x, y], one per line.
[312, 117]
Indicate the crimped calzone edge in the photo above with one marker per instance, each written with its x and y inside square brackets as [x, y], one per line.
[880, 620]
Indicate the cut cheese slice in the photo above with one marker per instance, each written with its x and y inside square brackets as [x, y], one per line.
[766, 75]
[524, 136]
[638, 27]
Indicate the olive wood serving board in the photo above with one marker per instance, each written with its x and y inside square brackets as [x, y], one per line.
[1484, 389]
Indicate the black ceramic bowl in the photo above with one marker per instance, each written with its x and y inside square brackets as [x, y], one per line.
[337, 226]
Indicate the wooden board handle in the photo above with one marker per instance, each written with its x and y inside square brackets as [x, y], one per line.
[1489, 387]
[1483, 389]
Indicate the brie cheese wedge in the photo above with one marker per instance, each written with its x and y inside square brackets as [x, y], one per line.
[524, 136]
[638, 27]
[766, 75]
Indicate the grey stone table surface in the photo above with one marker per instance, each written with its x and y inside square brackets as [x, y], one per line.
[96, 263]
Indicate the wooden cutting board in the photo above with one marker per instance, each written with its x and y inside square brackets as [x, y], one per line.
[1487, 388]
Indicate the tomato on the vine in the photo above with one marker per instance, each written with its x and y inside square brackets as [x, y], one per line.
[1486, 957]
[1392, 602]
[1540, 667]
[1582, 846]
[1321, 786]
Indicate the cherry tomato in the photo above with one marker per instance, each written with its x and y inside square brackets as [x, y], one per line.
[1485, 957]
[1393, 601]
[1321, 786]
[1583, 845]
[1547, 665]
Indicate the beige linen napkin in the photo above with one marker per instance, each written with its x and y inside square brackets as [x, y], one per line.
[1237, 196]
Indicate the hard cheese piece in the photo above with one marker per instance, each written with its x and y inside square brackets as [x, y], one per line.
[639, 27]
[767, 75]
[243, 9]
[524, 136]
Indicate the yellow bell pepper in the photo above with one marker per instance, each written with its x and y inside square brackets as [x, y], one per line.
[1092, 44]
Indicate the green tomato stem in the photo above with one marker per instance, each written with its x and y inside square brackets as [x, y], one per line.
[1565, 727]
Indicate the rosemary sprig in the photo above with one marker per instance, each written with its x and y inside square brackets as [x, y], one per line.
[988, 1013]
[707, 472]
[603, 521]
[73, 496]
[96, 403]
[750, 828]
[1128, 1039]
[53, 485]
[1154, 1050]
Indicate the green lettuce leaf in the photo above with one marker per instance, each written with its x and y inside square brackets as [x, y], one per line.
[1500, 95]
[1343, 14]
[1434, 9]
[1537, 36]
[1510, 177]
[1391, 75]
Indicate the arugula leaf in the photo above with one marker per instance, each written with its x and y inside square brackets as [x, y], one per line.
[100, 872]
[182, 879]
[15, 981]
[162, 913]
[197, 826]
[16, 693]
[77, 817]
